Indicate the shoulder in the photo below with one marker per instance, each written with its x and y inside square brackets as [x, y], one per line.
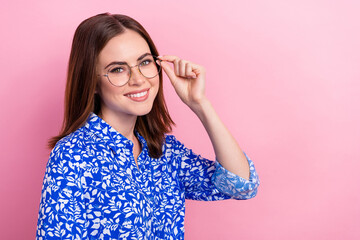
[169, 138]
[79, 138]
[172, 142]
[71, 148]
[173, 146]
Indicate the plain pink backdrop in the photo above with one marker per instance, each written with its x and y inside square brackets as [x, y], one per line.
[283, 75]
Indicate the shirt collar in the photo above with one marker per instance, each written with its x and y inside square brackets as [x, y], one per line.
[107, 133]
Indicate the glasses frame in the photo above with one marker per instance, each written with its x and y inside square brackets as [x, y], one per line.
[138, 67]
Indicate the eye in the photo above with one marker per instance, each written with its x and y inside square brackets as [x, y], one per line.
[145, 62]
[117, 69]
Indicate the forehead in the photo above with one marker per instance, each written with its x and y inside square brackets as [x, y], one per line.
[127, 46]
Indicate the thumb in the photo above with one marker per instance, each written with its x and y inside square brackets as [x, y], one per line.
[168, 70]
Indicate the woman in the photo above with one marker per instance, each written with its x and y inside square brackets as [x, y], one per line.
[114, 172]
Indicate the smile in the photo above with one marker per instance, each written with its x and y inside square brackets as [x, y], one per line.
[138, 96]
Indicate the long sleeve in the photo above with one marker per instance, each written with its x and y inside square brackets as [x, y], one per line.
[235, 186]
[62, 212]
[93, 189]
[207, 180]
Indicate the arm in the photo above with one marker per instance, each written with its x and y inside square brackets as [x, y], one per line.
[188, 80]
[62, 208]
[227, 151]
[202, 179]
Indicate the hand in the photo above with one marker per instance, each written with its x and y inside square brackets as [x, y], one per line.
[187, 78]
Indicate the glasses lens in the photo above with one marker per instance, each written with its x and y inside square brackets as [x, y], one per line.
[148, 67]
[119, 74]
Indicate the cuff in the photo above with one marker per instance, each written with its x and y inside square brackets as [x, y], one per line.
[234, 185]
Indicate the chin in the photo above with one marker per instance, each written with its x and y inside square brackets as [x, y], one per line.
[144, 112]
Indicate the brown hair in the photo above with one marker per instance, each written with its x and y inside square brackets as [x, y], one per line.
[90, 38]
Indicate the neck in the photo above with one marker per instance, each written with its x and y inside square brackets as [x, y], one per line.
[124, 124]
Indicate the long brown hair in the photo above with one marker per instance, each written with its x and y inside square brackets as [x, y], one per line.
[90, 38]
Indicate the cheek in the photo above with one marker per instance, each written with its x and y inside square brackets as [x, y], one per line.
[108, 91]
[156, 84]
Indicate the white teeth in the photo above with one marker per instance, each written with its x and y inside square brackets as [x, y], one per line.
[137, 95]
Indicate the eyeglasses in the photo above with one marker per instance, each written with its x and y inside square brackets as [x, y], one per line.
[120, 74]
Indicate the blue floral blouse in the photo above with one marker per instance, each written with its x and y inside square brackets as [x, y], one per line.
[94, 190]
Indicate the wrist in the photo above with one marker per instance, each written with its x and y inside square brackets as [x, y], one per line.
[201, 107]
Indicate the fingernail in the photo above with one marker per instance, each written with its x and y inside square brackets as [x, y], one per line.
[158, 62]
[159, 56]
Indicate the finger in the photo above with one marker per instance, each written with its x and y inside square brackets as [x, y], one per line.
[182, 70]
[168, 70]
[176, 66]
[173, 59]
[168, 58]
[188, 71]
[196, 69]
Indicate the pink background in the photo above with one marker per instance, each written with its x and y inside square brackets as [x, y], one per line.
[283, 75]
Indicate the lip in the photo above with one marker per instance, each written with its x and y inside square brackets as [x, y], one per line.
[138, 99]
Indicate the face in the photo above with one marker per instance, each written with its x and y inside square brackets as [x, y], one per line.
[136, 97]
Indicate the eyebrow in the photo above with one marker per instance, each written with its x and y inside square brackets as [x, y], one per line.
[124, 63]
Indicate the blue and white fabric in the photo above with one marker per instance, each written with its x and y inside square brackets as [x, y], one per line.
[93, 188]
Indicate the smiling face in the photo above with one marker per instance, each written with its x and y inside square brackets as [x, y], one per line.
[136, 97]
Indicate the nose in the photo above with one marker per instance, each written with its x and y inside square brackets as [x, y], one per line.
[136, 78]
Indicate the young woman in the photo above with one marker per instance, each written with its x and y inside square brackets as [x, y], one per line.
[114, 172]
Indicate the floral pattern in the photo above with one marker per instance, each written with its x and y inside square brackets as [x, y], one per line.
[93, 188]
